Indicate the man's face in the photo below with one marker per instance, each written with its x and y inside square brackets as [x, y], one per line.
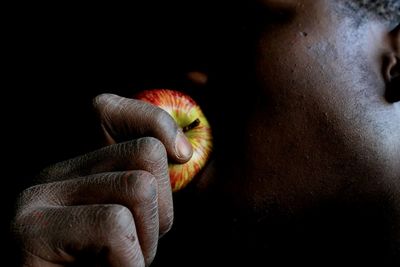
[318, 126]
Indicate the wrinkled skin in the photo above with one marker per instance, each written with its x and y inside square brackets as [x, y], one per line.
[308, 166]
[109, 206]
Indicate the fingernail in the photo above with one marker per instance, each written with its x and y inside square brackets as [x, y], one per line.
[182, 146]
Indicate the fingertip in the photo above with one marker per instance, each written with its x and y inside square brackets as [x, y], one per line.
[183, 148]
[101, 99]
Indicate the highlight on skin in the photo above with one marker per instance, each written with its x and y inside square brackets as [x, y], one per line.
[388, 10]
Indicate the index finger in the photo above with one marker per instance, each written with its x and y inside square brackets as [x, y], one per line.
[124, 118]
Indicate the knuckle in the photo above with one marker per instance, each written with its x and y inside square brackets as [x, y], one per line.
[143, 186]
[168, 223]
[29, 196]
[104, 103]
[160, 116]
[163, 120]
[139, 262]
[101, 100]
[152, 149]
[115, 218]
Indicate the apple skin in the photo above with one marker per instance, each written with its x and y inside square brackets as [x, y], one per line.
[184, 110]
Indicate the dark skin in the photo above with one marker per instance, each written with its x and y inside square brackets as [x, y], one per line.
[321, 129]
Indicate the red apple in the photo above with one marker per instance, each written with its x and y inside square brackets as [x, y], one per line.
[193, 123]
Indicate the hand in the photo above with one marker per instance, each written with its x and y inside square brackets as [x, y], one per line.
[109, 206]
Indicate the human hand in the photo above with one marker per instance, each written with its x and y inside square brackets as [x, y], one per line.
[109, 206]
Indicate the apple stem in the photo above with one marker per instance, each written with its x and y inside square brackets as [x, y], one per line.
[192, 125]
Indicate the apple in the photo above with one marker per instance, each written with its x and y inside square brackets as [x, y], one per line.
[188, 115]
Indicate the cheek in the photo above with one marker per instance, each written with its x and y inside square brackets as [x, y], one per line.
[313, 129]
[291, 156]
[287, 128]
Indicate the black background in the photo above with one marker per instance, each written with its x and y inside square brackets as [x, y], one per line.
[57, 57]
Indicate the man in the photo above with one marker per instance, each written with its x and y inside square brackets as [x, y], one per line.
[306, 166]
